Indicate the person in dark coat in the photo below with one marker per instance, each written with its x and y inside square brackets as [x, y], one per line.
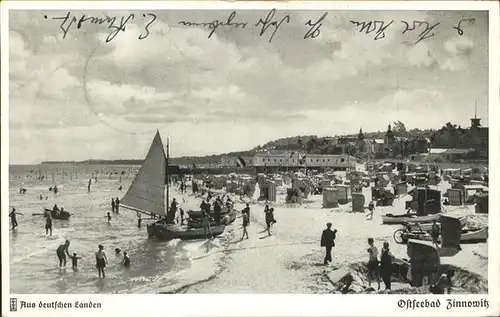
[328, 241]
[217, 211]
[386, 259]
[435, 232]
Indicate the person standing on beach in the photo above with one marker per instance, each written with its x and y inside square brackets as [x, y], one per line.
[90, 183]
[371, 208]
[246, 210]
[206, 224]
[117, 205]
[139, 220]
[217, 211]
[435, 232]
[246, 222]
[48, 224]
[386, 259]
[113, 205]
[181, 211]
[61, 252]
[372, 263]
[13, 219]
[269, 220]
[328, 241]
[101, 261]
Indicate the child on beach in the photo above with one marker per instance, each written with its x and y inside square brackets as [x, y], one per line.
[109, 217]
[372, 263]
[74, 260]
[126, 260]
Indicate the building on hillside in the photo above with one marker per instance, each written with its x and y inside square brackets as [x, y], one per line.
[292, 159]
[279, 158]
[443, 155]
[479, 131]
[363, 145]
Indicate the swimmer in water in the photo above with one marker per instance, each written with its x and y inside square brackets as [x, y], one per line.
[109, 217]
[74, 260]
[126, 260]
[101, 261]
[13, 219]
[61, 252]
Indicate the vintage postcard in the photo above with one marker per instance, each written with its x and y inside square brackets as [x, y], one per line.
[332, 158]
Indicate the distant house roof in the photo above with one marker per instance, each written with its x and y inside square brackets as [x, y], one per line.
[379, 141]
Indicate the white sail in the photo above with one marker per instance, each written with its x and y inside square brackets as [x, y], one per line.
[147, 191]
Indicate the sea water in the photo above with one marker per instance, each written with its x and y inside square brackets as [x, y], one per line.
[155, 266]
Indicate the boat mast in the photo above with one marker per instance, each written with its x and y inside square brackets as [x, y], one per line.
[166, 175]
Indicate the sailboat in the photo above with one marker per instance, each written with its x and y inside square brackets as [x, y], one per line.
[148, 194]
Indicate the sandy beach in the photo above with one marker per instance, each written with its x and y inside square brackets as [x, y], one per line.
[291, 260]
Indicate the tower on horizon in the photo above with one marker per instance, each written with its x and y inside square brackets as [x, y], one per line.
[475, 122]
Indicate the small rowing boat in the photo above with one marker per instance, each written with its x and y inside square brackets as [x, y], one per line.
[60, 215]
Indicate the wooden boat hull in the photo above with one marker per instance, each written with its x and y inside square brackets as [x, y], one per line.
[59, 216]
[474, 236]
[399, 220]
[166, 232]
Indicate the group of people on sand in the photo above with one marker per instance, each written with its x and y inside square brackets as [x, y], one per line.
[269, 216]
[380, 266]
[115, 205]
[100, 258]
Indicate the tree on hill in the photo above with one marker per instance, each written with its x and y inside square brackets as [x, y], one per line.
[398, 127]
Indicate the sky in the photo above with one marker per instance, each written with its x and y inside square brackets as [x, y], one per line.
[80, 97]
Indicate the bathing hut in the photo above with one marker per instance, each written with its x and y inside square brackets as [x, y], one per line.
[482, 203]
[287, 179]
[218, 182]
[325, 183]
[268, 191]
[433, 179]
[425, 256]
[455, 196]
[358, 202]
[400, 188]
[343, 193]
[459, 183]
[471, 190]
[330, 198]
[428, 201]
[278, 180]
